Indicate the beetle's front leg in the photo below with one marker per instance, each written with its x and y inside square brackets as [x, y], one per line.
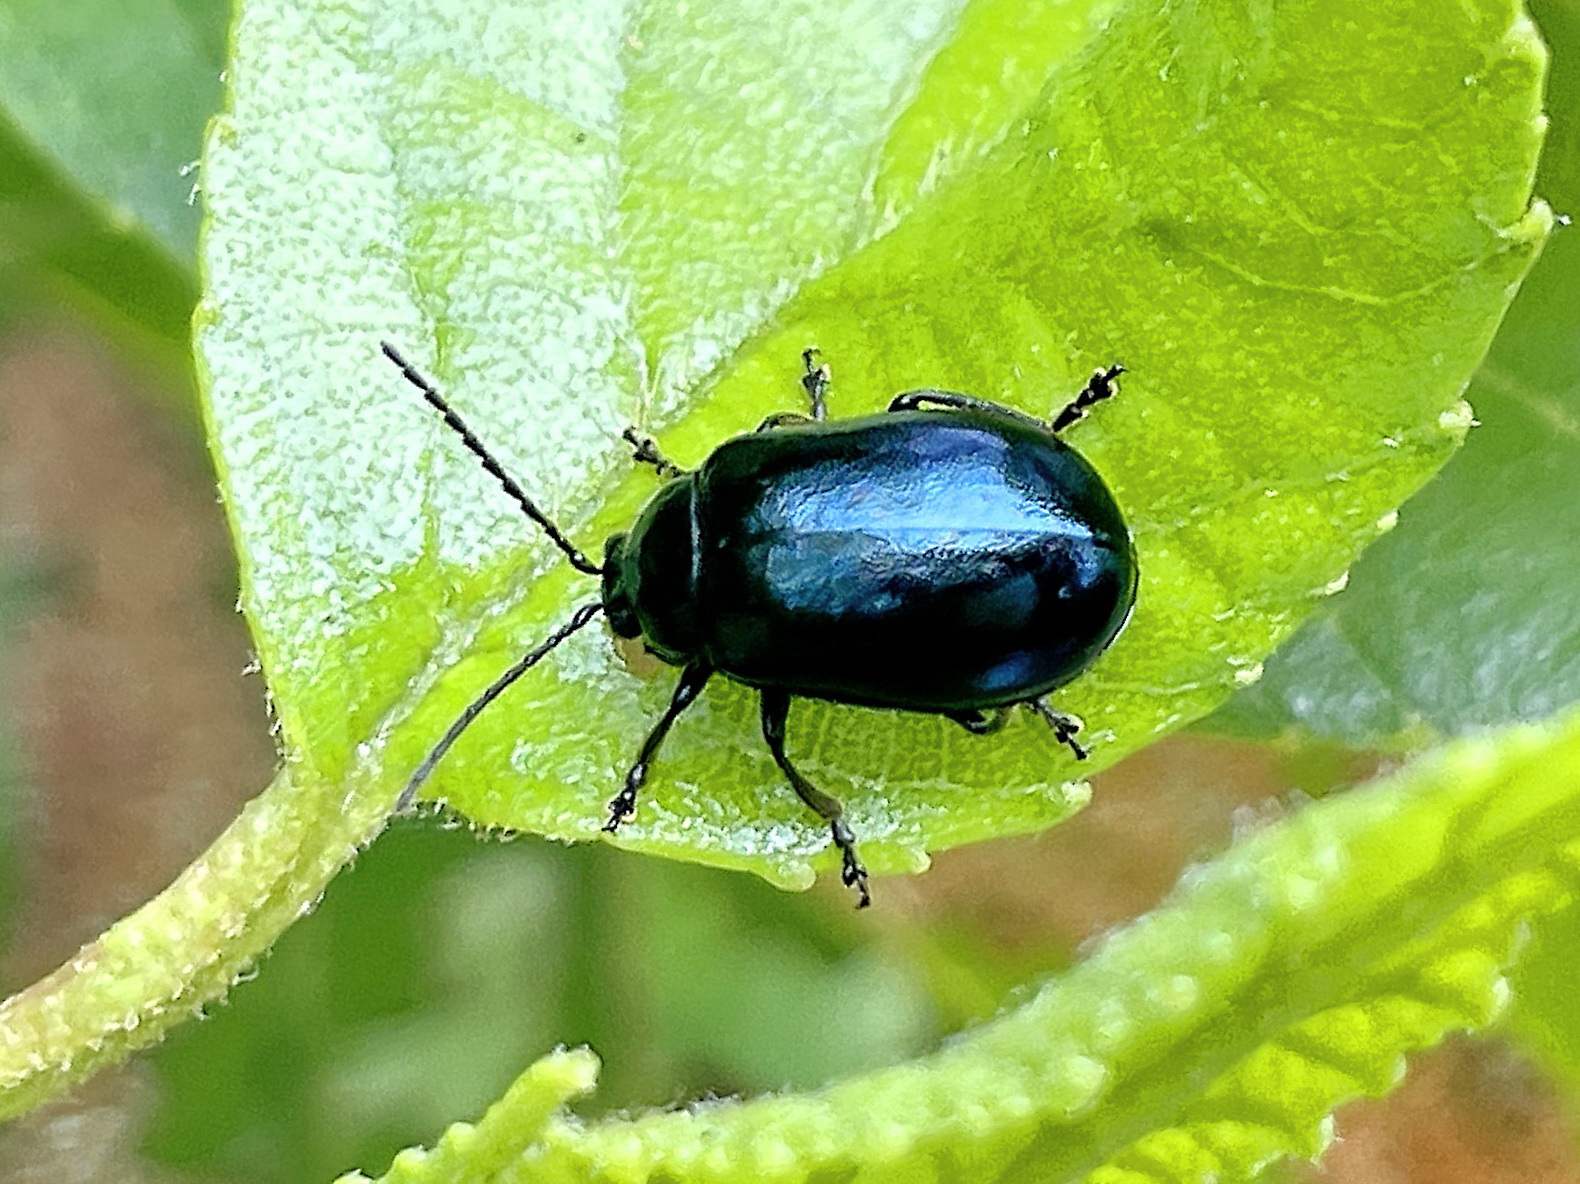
[776, 708]
[816, 382]
[692, 679]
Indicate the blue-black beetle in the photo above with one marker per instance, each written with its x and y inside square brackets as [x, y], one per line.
[961, 561]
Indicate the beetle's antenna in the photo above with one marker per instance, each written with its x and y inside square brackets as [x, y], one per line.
[412, 375]
[496, 688]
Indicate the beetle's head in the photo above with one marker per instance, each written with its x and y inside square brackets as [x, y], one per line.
[619, 587]
[648, 579]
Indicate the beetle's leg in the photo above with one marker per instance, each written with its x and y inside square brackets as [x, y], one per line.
[1098, 387]
[815, 382]
[692, 679]
[980, 724]
[644, 451]
[1064, 725]
[780, 418]
[776, 707]
[914, 400]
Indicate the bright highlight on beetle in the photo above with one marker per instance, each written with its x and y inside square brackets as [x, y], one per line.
[951, 556]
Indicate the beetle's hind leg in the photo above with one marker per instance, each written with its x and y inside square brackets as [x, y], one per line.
[1065, 726]
[644, 451]
[1098, 387]
[954, 401]
[776, 708]
[692, 679]
[980, 723]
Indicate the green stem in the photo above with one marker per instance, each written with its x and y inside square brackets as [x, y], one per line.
[185, 947]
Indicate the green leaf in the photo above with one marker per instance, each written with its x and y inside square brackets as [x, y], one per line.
[1300, 249]
[1204, 1041]
[102, 109]
[1297, 224]
[120, 126]
[468, 1153]
[1461, 618]
[685, 979]
[1544, 1015]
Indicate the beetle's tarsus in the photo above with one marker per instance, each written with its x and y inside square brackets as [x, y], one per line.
[1098, 387]
[623, 804]
[692, 679]
[775, 710]
[644, 451]
[1064, 725]
[816, 382]
[852, 872]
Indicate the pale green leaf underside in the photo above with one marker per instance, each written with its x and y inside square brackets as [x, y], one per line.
[1210, 1037]
[1298, 225]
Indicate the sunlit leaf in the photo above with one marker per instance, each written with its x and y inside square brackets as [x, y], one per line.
[1211, 1037]
[1463, 617]
[1298, 226]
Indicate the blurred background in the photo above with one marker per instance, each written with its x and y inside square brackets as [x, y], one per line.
[132, 728]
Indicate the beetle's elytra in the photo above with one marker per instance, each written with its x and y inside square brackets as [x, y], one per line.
[961, 560]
